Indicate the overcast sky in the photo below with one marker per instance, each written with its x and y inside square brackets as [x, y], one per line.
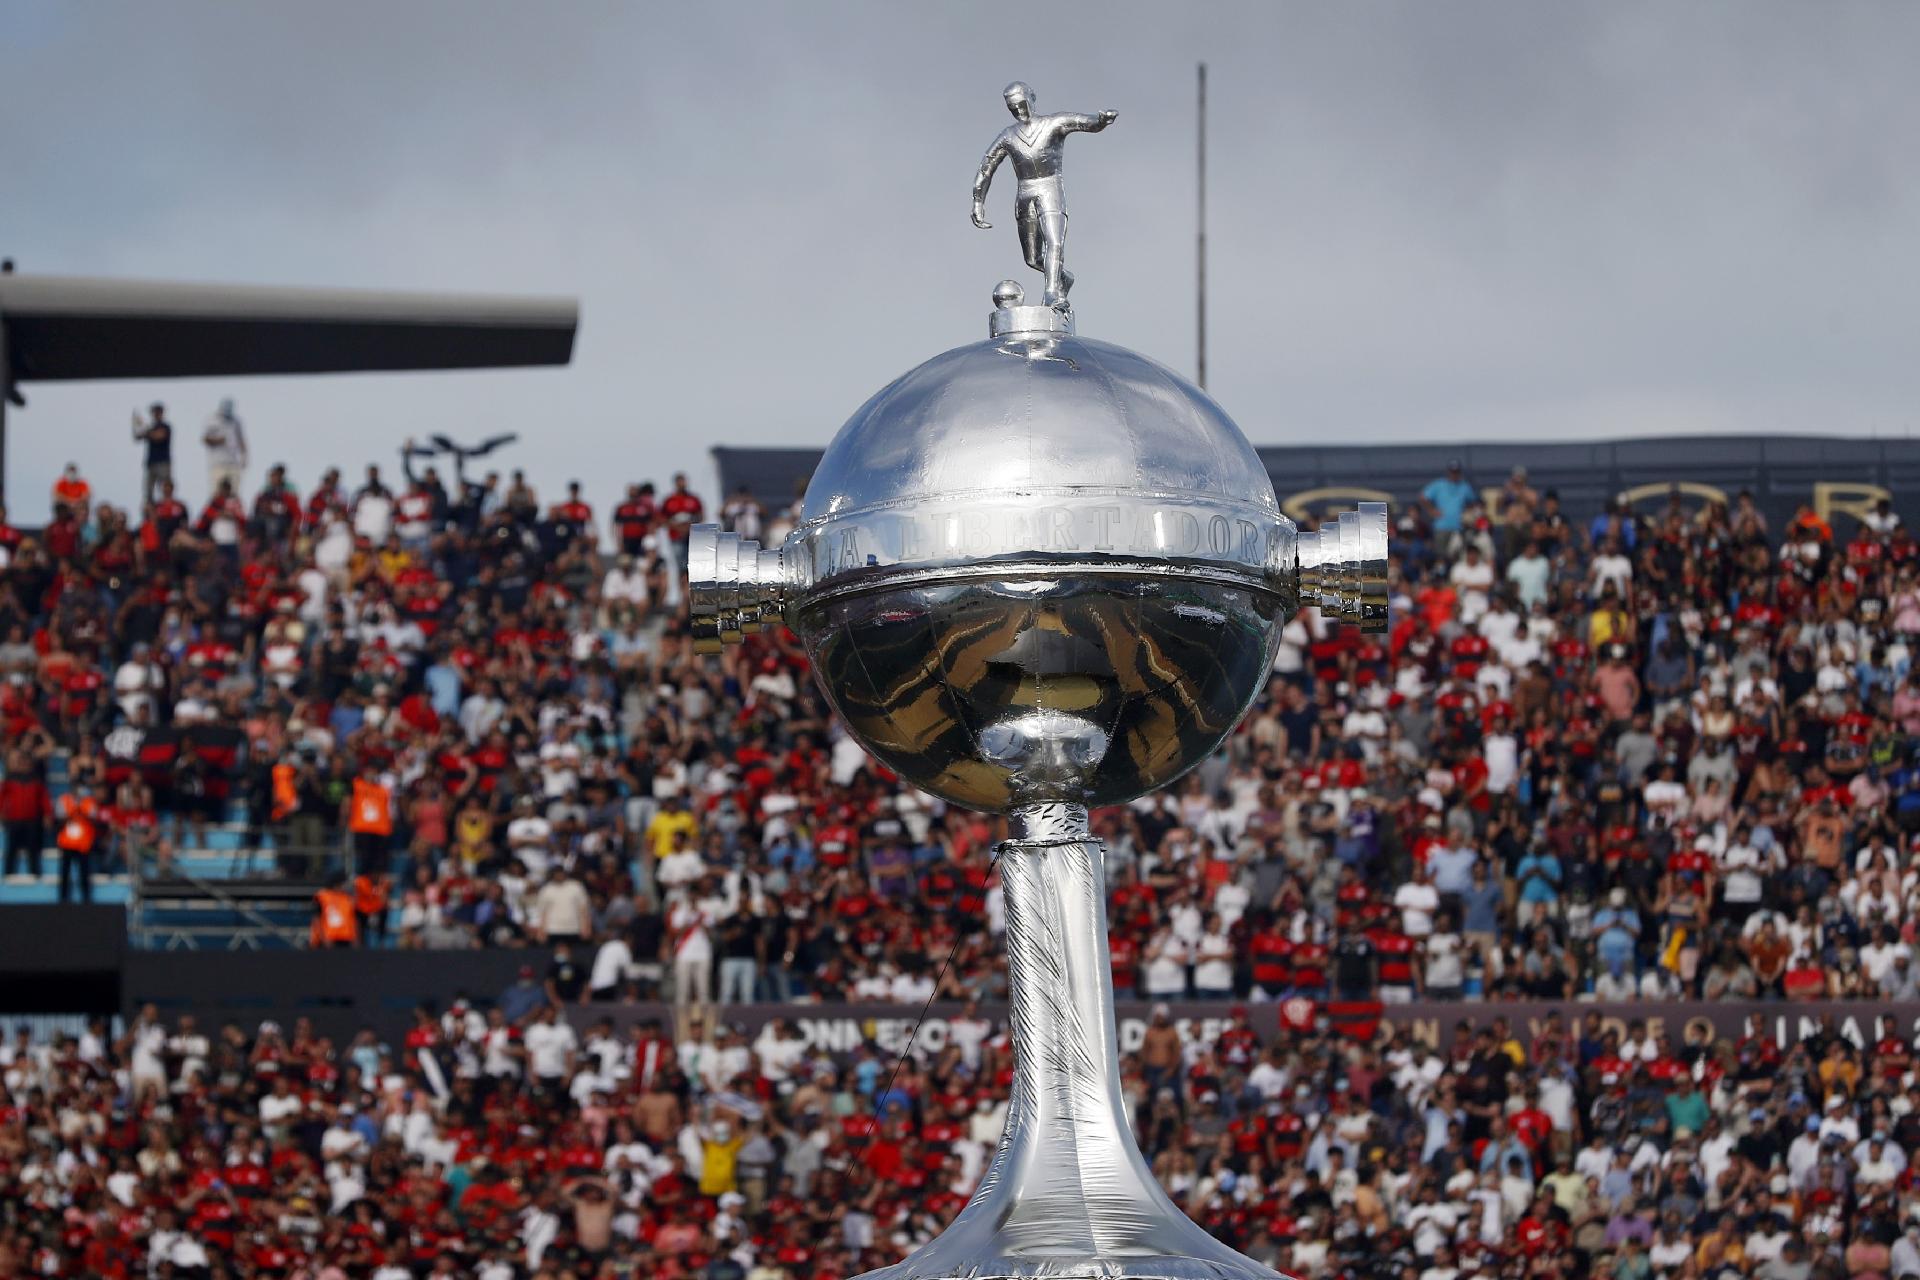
[1429, 221]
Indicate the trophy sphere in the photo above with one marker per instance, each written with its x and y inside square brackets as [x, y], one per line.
[1042, 568]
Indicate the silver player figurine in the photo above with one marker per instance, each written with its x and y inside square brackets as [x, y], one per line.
[1035, 145]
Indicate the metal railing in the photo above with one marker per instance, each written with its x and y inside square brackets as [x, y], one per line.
[299, 871]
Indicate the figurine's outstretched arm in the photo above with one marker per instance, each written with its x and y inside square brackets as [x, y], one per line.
[1080, 122]
[988, 163]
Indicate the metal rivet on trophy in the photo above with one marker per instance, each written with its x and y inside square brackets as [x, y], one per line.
[1035, 574]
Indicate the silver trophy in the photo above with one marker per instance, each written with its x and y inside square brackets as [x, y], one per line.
[1035, 574]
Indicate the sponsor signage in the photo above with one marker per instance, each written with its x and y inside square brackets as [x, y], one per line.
[843, 1028]
[345, 991]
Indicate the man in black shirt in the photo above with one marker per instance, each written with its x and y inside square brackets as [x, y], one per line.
[1157, 821]
[633, 519]
[566, 977]
[157, 435]
[646, 937]
[307, 836]
[1354, 966]
[513, 583]
[741, 942]
[1762, 1142]
[1299, 718]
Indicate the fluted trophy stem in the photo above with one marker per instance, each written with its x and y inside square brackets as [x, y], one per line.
[1068, 1193]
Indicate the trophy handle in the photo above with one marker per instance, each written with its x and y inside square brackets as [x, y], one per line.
[1068, 1192]
[734, 586]
[1343, 568]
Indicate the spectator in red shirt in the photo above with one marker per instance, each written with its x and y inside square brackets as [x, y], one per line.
[681, 511]
[25, 808]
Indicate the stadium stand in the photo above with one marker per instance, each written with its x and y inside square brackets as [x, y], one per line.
[1620, 754]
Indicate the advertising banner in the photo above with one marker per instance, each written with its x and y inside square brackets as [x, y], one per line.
[344, 991]
[842, 1028]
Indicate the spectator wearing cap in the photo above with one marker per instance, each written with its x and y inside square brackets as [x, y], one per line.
[523, 997]
[1446, 498]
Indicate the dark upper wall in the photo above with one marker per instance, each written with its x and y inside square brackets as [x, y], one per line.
[1782, 471]
[61, 959]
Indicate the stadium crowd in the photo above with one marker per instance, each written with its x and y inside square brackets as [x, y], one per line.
[1629, 756]
[1621, 754]
[524, 1136]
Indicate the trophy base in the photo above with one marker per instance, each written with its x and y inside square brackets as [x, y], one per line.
[1068, 1195]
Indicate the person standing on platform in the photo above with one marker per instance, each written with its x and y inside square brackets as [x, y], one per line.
[368, 816]
[226, 443]
[79, 832]
[25, 807]
[157, 434]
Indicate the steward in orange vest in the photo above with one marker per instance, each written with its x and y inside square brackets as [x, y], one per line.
[334, 923]
[286, 797]
[79, 822]
[372, 808]
[370, 896]
[79, 816]
[369, 817]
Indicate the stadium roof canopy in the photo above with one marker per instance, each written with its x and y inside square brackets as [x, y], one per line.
[66, 328]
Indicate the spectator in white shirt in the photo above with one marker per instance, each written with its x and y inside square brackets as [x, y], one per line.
[1417, 900]
[612, 969]
[562, 910]
[625, 583]
[692, 943]
[1610, 567]
[550, 1043]
[1472, 579]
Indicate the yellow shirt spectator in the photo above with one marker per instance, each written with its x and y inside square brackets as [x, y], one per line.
[665, 825]
[1607, 625]
[717, 1160]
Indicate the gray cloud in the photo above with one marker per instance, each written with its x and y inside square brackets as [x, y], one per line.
[1445, 221]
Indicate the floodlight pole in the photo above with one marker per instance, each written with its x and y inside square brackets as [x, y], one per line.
[1200, 254]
